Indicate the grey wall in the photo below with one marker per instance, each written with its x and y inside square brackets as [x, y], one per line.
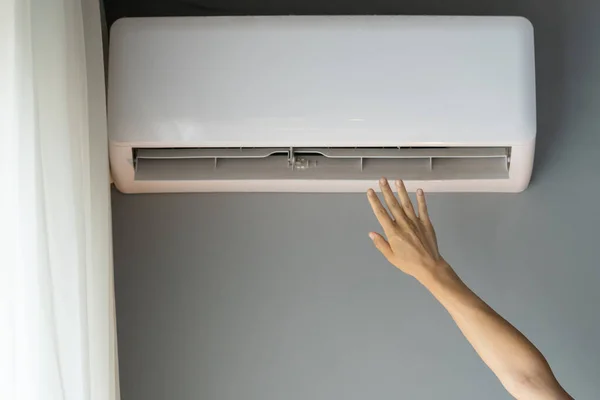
[283, 297]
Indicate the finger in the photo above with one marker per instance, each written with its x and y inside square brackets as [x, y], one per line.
[422, 205]
[405, 201]
[381, 244]
[380, 212]
[392, 202]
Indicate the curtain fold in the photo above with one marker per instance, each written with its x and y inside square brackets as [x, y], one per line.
[57, 312]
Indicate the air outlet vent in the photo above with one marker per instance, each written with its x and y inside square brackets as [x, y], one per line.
[411, 163]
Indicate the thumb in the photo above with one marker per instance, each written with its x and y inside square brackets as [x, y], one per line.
[381, 244]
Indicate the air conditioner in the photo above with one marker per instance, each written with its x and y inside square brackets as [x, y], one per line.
[321, 103]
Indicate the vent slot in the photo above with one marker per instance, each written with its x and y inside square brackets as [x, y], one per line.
[422, 163]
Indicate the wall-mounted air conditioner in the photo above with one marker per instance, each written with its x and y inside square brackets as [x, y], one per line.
[321, 103]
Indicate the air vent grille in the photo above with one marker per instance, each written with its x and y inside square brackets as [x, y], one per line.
[411, 163]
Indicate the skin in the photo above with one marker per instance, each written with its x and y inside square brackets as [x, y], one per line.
[409, 243]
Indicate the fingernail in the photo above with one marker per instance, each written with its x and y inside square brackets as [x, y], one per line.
[372, 236]
[420, 192]
[370, 192]
[383, 181]
[399, 183]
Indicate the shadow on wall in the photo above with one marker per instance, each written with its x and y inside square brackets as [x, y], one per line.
[549, 18]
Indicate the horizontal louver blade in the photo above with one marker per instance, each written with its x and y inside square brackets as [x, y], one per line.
[433, 163]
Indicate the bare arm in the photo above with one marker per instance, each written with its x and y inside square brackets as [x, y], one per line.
[411, 246]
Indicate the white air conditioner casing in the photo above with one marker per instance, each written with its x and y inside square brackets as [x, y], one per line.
[321, 103]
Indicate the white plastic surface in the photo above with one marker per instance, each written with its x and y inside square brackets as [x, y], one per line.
[321, 81]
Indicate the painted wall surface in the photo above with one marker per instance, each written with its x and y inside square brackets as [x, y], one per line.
[268, 297]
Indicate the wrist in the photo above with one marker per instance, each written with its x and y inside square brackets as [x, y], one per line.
[438, 274]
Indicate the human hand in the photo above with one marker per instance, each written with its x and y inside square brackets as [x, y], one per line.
[411, 244]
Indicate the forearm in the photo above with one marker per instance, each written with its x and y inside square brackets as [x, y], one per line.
[411, 246]
[518, 364]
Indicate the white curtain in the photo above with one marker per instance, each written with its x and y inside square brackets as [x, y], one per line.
[57, 323]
